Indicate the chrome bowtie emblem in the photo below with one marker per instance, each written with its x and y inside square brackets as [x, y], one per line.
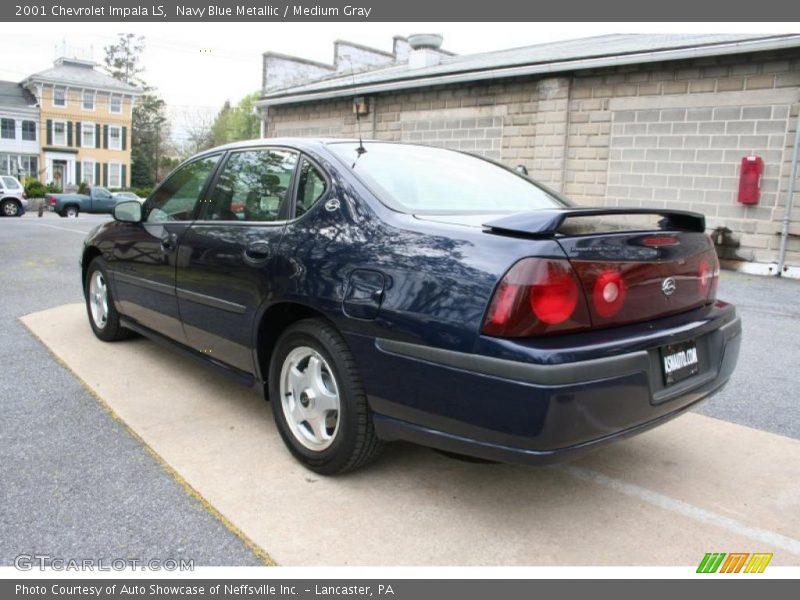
[332, 205]
[668, 286]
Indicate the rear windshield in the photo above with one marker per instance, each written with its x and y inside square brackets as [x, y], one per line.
[421, 179]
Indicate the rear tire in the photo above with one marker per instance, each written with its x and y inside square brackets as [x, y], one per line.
[71, 211]
[103, 316]
[318, 400]
[10, 208]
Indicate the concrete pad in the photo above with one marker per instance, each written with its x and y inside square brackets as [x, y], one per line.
[666, 497]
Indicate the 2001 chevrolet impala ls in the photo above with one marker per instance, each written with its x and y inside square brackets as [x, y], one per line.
[388, 291]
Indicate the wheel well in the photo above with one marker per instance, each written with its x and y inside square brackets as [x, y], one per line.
[11, 199]
[88, 256]
[273, 323]
[68, 204]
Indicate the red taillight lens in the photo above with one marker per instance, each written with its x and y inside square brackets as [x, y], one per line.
[52, 200]
[536, 297]
[704, 276]
[609, 292]
[554, 300]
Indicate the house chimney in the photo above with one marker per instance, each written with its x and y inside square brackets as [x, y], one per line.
[424, 50]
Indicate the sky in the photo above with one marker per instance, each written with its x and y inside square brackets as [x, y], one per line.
[196, 67]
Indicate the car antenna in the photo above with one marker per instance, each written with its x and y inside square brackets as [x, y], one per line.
[360, 150]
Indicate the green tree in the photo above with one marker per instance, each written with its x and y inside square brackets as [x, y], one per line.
[148, 139]
[235, 123]
[123, 59]
[150, 129]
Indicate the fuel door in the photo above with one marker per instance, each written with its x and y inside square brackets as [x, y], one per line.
[364, 294]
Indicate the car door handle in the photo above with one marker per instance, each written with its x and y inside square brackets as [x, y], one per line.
[257, 253]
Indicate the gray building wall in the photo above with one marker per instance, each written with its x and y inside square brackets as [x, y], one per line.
[661, 135]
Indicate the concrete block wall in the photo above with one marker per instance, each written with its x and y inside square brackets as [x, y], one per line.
[664, 135]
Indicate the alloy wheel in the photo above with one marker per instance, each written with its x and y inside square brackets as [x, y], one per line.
[310, 398]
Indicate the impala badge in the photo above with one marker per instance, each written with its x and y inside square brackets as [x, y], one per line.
[668, 286]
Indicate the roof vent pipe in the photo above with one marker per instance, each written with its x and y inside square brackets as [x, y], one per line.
[424, 50]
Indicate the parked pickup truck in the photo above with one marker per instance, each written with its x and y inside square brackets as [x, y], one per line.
[98, 200]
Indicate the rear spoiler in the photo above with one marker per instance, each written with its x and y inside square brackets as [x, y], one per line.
[547, 222]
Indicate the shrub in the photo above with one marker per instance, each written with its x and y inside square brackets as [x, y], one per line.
[83, 188]
[35, 188]
[52, 188]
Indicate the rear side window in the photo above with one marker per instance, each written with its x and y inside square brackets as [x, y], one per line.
[177, 198]
[254, 185]
[310, 188]
[10, 183]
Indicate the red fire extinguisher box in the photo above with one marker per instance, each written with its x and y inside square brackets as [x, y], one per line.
[750, 179]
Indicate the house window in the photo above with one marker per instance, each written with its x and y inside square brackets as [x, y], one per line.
[87, 135]
[115, 105]
[29, 131]
[8, 129]
[114, 175]
[30, 165]
[59, 133]
[87, 172]
[88, 100]
[19, 165]
[59, 96]
[115, 138]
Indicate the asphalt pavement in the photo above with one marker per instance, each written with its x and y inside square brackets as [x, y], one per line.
[76, 483]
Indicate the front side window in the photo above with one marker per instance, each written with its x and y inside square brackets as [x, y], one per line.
[310, 188]
[60, 133]
[88, 100]
[102, 193]
[176, 198]
[29, 131]
[8, 129]
[115, 104]
[422, 179]
[255, 185]
[59, 96]
[87, 135]
[115, 138]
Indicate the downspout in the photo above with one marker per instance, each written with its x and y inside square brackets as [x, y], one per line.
[264, 116]
[787, 215]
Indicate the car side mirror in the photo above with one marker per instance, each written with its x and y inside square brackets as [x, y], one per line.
[129, 211]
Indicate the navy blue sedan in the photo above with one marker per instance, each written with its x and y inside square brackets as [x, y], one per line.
[382, 291]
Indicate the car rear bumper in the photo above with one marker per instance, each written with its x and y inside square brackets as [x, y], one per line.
[546, 406]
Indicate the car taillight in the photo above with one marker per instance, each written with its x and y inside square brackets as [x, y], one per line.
[52, 200]
[537, 296]
[609, 292]
[713, 275]
[24, 195]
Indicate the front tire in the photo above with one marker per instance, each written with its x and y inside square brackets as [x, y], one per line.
[103, 316]
[9, 208]
[318, 400]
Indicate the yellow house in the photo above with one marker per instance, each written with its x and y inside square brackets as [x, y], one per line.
[85, 124]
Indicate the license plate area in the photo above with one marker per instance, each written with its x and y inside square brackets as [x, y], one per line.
[679, 361]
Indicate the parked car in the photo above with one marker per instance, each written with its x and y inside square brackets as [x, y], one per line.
[399, 292]
[98, 200]
[120, 196]
[13, 200]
